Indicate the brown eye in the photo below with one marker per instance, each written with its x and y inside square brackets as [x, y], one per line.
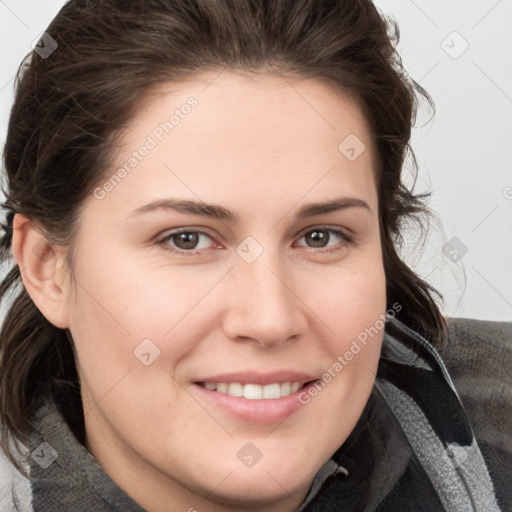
[186, 241]
[321, 238]
[317, 238]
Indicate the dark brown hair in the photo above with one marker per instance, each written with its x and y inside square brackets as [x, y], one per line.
[71, 106]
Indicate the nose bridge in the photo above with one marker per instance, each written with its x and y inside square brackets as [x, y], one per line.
[263, 307]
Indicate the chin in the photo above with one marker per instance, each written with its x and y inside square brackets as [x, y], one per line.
[249, 488]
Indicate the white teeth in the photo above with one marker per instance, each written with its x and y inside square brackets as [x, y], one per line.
[272, 391]
[286, 388]
[254, 391]
[235, 389]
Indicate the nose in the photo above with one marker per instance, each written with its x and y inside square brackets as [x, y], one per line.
[263, 306]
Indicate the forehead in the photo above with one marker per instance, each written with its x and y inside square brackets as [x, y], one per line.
[252, 104]
[220, 133]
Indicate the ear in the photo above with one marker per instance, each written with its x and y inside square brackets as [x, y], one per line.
[42, 270]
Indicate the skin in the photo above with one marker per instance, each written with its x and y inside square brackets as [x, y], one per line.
[262, 147]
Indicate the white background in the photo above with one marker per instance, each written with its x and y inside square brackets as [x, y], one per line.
[464, 154]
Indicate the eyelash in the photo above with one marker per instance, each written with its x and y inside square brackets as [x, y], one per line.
[347, 239]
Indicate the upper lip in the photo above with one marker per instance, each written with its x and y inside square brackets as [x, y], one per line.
[253, 377]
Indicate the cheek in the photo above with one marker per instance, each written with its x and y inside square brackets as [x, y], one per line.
[351, 302]
[124, 320]
[352, 310]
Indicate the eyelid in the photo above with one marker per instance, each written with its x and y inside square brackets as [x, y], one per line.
[346, 241]
[338, 231]
[162, 240]
[342, 232]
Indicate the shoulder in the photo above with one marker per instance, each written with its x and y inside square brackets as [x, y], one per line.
[470, 338]
[478, 356]
[15, 488]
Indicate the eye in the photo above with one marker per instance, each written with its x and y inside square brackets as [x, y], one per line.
[320, 237]
[189, 241]
[186, 240]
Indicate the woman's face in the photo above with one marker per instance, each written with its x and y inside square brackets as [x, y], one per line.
[238, 252]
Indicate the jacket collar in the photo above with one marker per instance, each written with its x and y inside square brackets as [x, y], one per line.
[415, 385]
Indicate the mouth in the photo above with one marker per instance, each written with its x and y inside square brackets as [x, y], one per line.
[256, 398]
[253, 391]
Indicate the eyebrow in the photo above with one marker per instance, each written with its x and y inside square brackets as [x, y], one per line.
[221, 213]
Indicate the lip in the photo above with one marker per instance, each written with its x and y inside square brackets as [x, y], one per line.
[260, 411]
[248, 377]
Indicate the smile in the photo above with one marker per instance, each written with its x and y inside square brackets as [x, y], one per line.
[254, 391]
[253, 397]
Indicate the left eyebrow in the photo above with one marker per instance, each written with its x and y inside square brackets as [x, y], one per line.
[219, 212]
[341, 203]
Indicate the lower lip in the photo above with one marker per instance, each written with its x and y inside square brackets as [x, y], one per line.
[256, 411]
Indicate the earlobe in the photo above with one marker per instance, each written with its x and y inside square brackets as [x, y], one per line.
[42, 270]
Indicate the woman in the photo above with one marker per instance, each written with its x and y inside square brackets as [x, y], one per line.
[203, 203]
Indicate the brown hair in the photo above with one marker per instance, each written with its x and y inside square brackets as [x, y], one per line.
[71, 106]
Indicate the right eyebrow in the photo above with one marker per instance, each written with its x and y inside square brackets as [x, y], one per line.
[187, 206]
